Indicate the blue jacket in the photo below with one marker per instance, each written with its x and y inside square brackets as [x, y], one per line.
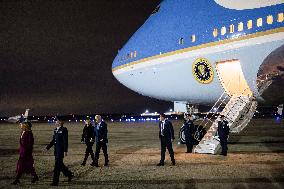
[188, 128]
[168, 131]
[223, 129]
[100, 130]
[59, 141]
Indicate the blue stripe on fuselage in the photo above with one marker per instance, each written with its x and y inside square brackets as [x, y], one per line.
[183, 18]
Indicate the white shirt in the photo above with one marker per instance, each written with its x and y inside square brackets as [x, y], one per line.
[162, 127]
[98, 125]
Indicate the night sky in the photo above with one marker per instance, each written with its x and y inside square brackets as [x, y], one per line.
[56, 56]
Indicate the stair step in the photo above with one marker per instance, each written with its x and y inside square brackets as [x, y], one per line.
[234, 111]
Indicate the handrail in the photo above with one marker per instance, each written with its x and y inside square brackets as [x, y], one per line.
[239, 99]
[214, 113]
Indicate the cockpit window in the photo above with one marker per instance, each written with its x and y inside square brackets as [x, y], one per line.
[156, 9]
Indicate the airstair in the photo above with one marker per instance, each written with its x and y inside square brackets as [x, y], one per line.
[238, 112]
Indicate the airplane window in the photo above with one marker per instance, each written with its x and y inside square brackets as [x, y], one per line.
[223, 30]
[181, 41]
[135, 54]
[240, 26]
[232, 28]
[280, 17]
[215, 32]
[259, 22]
[193, 38]
[249, 24]
[269, 19]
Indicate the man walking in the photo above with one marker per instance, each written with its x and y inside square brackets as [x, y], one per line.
[101, 140]
[60, 143]
[166, 135]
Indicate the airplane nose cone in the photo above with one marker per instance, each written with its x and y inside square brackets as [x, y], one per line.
[270, 77]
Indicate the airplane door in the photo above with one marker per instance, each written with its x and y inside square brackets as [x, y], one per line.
[232, 78]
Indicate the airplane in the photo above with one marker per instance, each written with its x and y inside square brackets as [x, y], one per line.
[209, 52]
[19, 118]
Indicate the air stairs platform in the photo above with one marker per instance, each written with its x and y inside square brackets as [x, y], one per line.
[238, 112]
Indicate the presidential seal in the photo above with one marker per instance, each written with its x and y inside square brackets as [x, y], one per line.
[202, 71]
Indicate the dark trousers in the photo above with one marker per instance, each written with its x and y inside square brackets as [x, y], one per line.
[189, 143]
[223, 142]
[60, 167]
[100, 145]
[166, 144]
[89, 150]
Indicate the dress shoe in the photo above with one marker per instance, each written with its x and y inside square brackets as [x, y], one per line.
[54, 184]
[95, 164]
[16, 182]
[160, 164]
[70, 177]
[35, 179]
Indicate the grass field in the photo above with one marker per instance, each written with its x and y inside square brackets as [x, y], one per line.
[255, 159]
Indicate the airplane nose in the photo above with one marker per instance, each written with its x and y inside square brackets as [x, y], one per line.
[270, 77]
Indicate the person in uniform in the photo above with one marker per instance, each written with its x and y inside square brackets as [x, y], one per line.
[223, 132]
[26, 161]
[60, 143]
[166, 135]
[188, 131]
[100, 130]
[88, 137]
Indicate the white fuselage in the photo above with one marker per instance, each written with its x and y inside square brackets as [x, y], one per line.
[169, 76]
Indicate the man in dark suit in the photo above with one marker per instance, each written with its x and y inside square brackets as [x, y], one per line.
[223, 132]
[166, 135]
[88, 137]
[188, 131]
[60, 143]
[100, 130]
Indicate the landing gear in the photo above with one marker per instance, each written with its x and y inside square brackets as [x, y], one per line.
[199, 131]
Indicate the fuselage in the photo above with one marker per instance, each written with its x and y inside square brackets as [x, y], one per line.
[164, 58]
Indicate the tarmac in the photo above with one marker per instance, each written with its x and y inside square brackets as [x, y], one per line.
[255, 159]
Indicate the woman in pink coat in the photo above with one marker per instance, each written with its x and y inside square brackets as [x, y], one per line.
[26, 161]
